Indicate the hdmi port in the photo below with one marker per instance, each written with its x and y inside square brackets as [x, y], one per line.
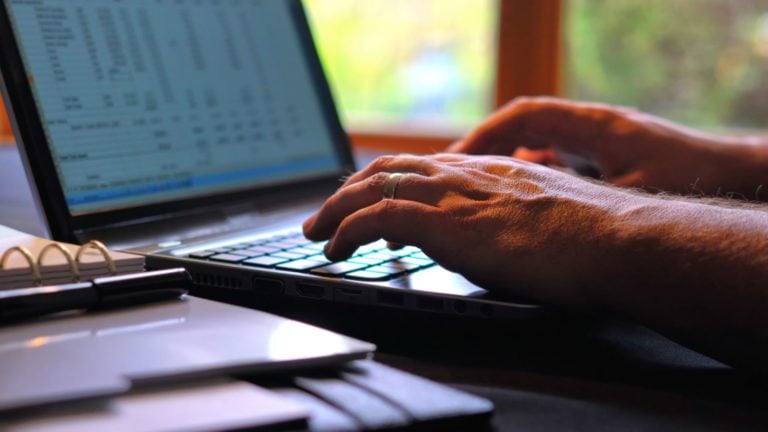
[311, 291]
[392, 299]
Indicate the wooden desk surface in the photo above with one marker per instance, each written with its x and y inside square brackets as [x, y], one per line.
[561, 372]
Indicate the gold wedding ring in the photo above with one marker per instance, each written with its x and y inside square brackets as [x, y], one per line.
[390, 186]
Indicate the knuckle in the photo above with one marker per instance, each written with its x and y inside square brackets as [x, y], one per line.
[376, 182]
[382, 163]
[524, 103]
[385, 211]
[522, 100]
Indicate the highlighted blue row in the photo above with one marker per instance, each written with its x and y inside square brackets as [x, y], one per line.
[205, 181]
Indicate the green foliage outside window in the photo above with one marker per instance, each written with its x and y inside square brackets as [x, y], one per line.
[702, 62]
[401, 63]
[429, 64]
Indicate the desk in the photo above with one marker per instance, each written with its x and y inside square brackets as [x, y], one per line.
[560, 372]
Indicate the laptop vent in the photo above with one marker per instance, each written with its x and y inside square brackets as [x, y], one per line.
[217, 281]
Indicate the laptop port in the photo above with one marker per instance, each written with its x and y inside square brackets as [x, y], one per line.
[351, 295]
[486, 310]
[390, 298]
[310, 291]
[429, 303]
[266, 286]
[460, 306]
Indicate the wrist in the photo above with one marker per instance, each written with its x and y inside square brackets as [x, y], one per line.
[670, 251]
[742, 166]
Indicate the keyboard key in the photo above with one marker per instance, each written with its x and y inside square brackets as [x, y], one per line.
[240, 246]
[316, 246]
[417, 261]
[300, 265]
[229, 258]
[401, 252]
[287, 255]
[364, 260]
[303, 250]
[338, 269]
[401, 265]
[420, 255]
[249, 253]
[221, 250]
[382, 256]
[299, 241]
[411, 249]
[390, 270]
[202, 254]
[371, 247]
[264, 261]
[319, 257]
[368, 275]
[279, 244]
[264, 249]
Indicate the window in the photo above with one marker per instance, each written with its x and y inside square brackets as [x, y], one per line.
[425, 65]
[700, 62]
[414, 75]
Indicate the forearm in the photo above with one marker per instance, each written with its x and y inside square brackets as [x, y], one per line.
[741, 165]
[698, 273]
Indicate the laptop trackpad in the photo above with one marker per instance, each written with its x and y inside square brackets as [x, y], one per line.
[440, 281]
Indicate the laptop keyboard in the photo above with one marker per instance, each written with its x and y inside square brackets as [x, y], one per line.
[293, 252]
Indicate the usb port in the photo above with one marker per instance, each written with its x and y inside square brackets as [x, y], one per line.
[429, 303]
[311, 291]
[390, 298]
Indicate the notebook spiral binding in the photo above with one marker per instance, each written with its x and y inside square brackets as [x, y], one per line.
[36, 263]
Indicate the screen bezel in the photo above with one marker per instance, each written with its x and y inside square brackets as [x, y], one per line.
[36, 151]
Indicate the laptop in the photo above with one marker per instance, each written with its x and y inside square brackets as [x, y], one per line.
[201, 133]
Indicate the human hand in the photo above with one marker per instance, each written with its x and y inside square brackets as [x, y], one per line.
[630, 148]
[507, 225]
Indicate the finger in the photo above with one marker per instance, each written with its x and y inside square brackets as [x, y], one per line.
[456, 147]
[541, 123]
[541, 157]
[368, 192]
[392, 164]
[397, 221]
[451, 157]
[459, 159]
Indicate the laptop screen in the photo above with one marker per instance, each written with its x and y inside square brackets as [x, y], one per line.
[145, 101]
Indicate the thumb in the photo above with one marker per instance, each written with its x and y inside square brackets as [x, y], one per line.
[459, 146]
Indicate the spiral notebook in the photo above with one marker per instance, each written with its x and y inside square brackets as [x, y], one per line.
[27, 260]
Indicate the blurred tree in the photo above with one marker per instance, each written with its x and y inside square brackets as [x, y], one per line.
[702, 62]
[396, 62]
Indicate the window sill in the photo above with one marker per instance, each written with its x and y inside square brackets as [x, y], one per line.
[401, 143]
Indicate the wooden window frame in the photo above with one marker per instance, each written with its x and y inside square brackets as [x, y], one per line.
[6, 134]
[527, 64]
